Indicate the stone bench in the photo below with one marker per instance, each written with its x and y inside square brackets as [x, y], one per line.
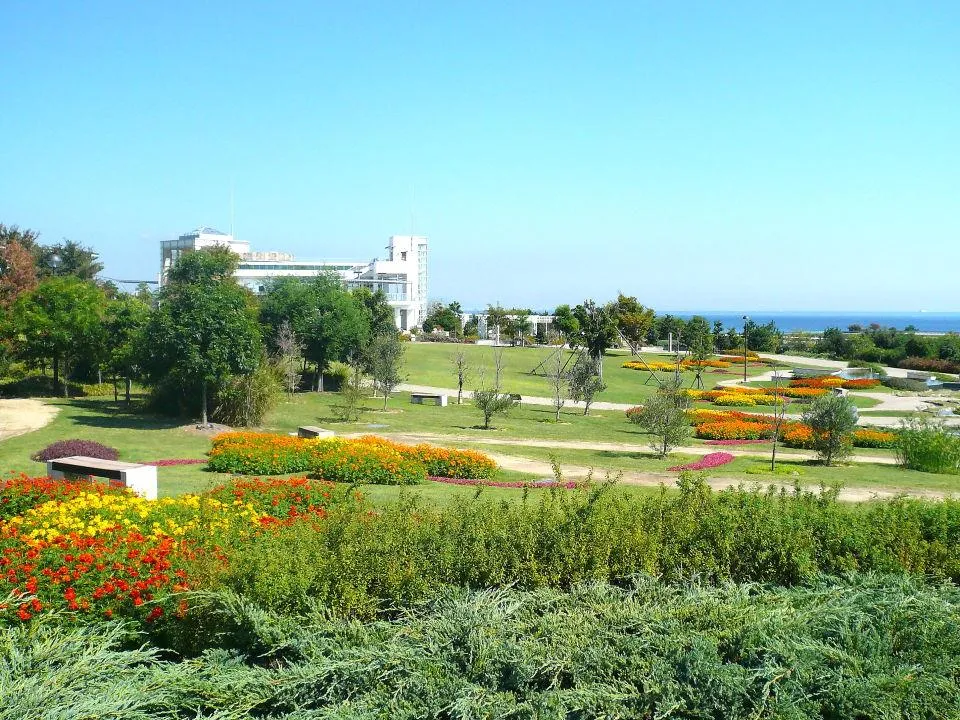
[312, 431]
[418, 398]
[141, 479]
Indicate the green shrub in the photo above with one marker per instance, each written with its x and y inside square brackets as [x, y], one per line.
[244, 400]
[898, 383]
[928, 445]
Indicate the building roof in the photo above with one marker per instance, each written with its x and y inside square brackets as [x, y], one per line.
[204, 230]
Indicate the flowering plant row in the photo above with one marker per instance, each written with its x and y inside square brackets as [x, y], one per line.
[92, 549]
[659, 366]
[708, 461]
[833, 381]
[364, 460]
[567, 485]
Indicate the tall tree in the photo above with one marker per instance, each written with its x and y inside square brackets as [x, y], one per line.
[496, 320]
[584, 381]
[598, 330]
[60, 319]
[385, 359]
[565, 323]
[18, 272]
[205, 328]
[74, 260]
[125, 319]
[380, 313]
[633, 321]
[340, 329]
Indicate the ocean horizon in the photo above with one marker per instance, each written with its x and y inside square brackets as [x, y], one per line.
[818, 321]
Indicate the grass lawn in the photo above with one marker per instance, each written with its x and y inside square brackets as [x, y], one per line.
[429, 364]
[146, 438]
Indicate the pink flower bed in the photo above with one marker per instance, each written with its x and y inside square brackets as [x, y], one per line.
[735, 442]
[175, 461]
[569, 485]
[706, 462]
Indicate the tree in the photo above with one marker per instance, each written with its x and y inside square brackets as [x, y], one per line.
[558, 379]
[489, 400]
[205, 328]
[290, 302]
[443, 317]
[835, 343]
[584, 382]
[60, 319]
[351, 395]
[496, 318]
[18, 272]
[565, 323]
[27, 239]
[462, 368]
[125, 319]
[378, 310]
[75, 260]
[598, 330]
[289, 356]
[517, 324]
[832, 418]
[633, 321]
[385, 359]
[665, 417]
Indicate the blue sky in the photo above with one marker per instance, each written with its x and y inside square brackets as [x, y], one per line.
[765, 155]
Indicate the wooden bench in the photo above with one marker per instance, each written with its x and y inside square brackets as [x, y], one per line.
[141, 479]
[517, 398]
[418, 398]
[312, 431]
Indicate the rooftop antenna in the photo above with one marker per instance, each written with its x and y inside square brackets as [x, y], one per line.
[231, 208]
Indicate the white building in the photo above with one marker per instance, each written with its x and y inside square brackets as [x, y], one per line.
[402, 276]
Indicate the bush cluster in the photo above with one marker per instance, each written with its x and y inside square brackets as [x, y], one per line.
[69, 448]
[926, 445]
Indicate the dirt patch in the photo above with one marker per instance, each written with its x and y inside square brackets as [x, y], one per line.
[21, 416]
[209, 431]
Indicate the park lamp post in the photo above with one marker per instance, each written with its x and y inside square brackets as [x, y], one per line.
[54, 262]
[745, 321]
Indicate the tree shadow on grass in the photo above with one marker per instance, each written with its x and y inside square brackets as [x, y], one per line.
[117, 416]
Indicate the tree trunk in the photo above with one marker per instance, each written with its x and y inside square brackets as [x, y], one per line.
[66, 381]
[127, 388]
[56, 369]
[460, 393]
[99, 376]
[386, 396]
[115, 397]
[203, 403]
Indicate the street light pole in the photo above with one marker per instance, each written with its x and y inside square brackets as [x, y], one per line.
[745, 320]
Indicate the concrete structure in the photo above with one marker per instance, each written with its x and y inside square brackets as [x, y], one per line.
[535, 323]
[402, 277]
[141, 479]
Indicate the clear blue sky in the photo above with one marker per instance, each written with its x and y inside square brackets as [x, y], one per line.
[766, 155]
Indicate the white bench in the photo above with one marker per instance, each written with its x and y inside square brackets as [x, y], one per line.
[141, 479]
[418, 398]
[312, 431]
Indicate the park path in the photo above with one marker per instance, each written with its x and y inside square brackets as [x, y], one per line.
[20, 416]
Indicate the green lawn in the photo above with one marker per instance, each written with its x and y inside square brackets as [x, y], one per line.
[430, 364]
[141, 437]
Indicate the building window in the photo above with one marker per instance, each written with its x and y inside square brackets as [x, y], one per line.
[403, 256]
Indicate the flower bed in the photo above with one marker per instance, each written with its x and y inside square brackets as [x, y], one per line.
[733, 430]
[90, 549]
[443, 462]
[176, 461]
[867, 438]
[711, 460]
[734, 400]
[368, 459]
[860, 384]
[736, 442]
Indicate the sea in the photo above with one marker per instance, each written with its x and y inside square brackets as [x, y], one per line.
[924, 322]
